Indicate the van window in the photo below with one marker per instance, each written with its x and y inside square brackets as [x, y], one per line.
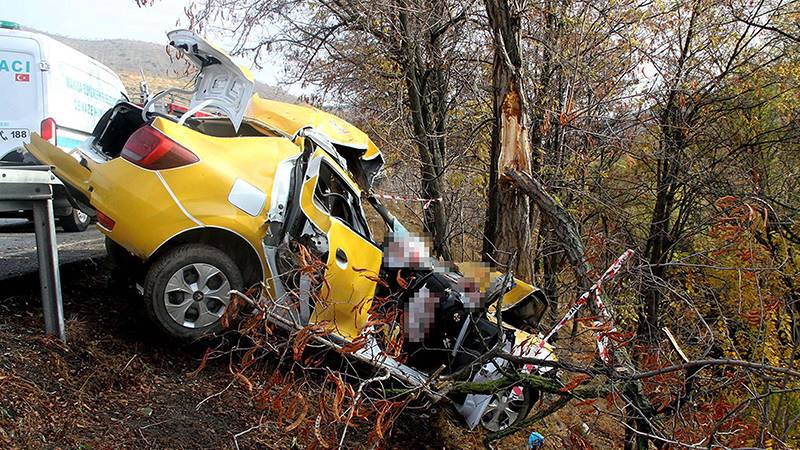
[335, 196]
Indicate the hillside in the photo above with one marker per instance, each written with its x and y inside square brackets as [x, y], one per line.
[129, 58]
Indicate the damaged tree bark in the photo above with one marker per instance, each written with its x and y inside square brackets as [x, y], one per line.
[508, 227]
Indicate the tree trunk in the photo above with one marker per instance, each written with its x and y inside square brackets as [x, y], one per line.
[545, 99]
[551, 260]
[427, 90]
[674, 123]
[662, 232]
[431, 168]
[508, 229]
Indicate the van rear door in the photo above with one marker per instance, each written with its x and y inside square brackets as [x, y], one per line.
[21, 99]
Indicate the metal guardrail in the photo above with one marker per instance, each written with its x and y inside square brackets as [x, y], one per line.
[31, 187]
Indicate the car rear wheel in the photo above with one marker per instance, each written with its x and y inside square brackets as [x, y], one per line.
[186, 290]
[76, 221]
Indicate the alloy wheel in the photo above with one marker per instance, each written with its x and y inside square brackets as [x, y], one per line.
[503, 411]
[196, 296]
[81, 216]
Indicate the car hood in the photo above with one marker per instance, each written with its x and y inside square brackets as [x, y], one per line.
[222, 86]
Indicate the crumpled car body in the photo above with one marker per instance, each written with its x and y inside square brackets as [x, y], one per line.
[205, 205]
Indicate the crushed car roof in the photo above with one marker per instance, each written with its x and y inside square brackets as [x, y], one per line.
[289, 118]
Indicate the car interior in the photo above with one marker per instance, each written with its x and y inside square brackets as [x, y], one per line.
[120, 122]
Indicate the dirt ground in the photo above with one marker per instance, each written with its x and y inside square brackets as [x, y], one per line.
[117, 383]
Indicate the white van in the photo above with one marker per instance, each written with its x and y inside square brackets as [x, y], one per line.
[54, 90]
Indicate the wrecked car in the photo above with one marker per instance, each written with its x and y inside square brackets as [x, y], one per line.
[197, 206]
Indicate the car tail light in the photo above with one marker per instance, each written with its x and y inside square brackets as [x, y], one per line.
[49, 130]
[151, 149]
[105, 221]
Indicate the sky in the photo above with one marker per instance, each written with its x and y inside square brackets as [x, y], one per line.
[114, 19]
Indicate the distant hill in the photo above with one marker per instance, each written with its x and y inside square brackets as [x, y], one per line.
[127, 57]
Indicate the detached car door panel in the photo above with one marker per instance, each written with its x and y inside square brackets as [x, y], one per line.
[74, 172]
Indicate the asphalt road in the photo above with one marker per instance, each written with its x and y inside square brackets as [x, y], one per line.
[18, 247]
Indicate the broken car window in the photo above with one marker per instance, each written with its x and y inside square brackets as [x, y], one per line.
[334, 195]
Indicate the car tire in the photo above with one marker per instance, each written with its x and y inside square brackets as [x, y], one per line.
[76, 221]
[185, 290]
[511, 412]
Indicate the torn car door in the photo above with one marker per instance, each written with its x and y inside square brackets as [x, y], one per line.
[330, 201]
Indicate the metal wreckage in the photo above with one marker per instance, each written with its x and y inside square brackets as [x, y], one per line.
[200, 205]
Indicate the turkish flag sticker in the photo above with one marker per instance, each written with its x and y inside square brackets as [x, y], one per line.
[24, 77]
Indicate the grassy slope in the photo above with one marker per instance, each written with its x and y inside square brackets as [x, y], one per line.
[118, 384]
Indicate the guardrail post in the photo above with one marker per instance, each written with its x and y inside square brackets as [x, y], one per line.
[47, 253]
[31, 187]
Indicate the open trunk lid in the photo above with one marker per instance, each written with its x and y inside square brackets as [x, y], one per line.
[223, 86]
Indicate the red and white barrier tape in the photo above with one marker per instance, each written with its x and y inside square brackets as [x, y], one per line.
[594, 292]
[427, 201]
